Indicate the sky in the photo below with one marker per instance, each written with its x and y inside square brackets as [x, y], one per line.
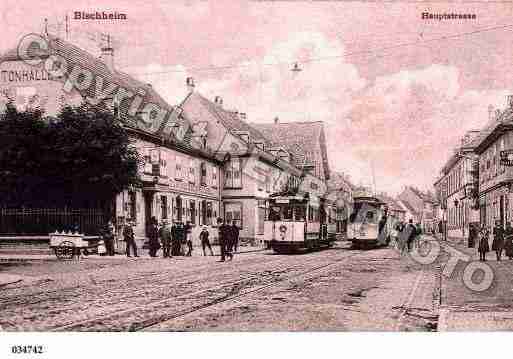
[396, 93]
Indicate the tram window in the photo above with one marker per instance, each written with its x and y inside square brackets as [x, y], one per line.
[299, 213]
[287, 213]
[274, 213]
[370, 216]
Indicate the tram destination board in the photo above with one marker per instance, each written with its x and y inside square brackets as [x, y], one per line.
[507, 157]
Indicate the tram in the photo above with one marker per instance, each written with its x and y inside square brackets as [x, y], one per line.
[368, 223]
[298, 222]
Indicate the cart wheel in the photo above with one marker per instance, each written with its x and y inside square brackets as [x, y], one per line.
[85, 252]
[65, 250]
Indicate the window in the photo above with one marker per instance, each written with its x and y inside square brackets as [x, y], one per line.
[233, 212]
[179, 169]
[233, 175]
[192, 210]
[214, 177]
[203, 174]
[261, 217]
[178, 209]
[191, 172]
[163, 206]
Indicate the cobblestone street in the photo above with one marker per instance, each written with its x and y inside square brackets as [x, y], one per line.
[334, 289]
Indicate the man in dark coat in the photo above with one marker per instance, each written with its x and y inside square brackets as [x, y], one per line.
[129, 237]
[508, 240]
[498, 240]
[234, 237]
[175, 240]
[165, 238]
[205, 242]
[224, 239]
[188, 238]
[107, 234]
[411, 232]
[153, 235]
[472, 235]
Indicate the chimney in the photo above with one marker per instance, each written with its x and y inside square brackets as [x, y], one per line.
[276, 120]
[108, 57]
[510, 101]
[218, 100]
[490, 112]
[190, 84]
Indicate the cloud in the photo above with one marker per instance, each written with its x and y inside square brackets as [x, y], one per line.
[407, 123]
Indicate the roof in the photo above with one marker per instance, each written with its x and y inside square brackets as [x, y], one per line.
[422, 195]
[298, 138]
[408, 206]
[75, 55]
[392, 203]
[494, 129]
[230, 119]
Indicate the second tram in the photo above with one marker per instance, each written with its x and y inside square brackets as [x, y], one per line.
[368, 225]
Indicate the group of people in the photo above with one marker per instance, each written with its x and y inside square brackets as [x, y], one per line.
[228, 239]
[502, 241]
[175, 239]
[407, 235]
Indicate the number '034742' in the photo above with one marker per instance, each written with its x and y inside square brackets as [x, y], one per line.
[27, 349]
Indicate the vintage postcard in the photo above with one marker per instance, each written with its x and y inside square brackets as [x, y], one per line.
[255, 166]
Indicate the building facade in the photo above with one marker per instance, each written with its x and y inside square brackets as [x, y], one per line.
[180, 181]
[457, 188]
[495, 173]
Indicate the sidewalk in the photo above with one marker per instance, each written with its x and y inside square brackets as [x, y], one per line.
[465, 310]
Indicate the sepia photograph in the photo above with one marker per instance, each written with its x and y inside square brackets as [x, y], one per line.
[259, 170]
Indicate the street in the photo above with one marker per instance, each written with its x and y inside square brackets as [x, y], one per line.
[337, 289]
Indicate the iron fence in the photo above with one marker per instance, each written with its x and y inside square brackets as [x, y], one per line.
[41, 221]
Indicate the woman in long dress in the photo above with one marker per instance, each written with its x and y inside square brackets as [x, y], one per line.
[483, 246]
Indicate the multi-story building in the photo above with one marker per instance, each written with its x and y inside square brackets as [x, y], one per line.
[493, 147]
[180, 180]
[457, 188]
[254, 166]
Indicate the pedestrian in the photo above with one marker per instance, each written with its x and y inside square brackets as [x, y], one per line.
[165, 239]
[153, 235]
[418, 234]
[224, 238]
[175, 240]
[188, 238]
[108, 238]
[234, 237]
[498, 239]
[472, 234]
[381, 230]
[129, 237]
[411, 233]
[181, 238]
[508, 241]
[205, 242]
[483, 246]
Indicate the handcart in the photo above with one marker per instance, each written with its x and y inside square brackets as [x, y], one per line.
[67, 245]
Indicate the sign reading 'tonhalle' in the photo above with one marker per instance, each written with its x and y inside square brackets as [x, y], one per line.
[506, 158]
